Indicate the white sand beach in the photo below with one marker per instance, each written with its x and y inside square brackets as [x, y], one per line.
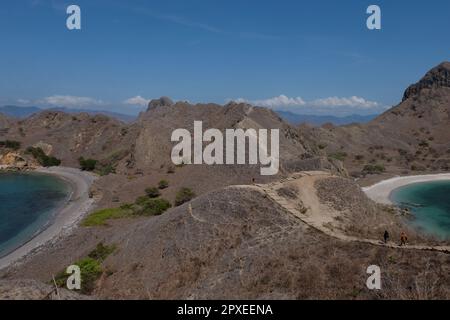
[381, 191]
[66, 219]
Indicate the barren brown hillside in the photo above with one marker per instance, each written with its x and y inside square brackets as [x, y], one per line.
[411, 137]
[239, 242]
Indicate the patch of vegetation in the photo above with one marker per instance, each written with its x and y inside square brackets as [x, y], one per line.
[338, 156]
[42, 158]
[87, 164]
[10, 144]
[416, 167]
[101, 252]
[184, 195]
[163, 184]
[143, 206]
[104, 170]
[152, 192]
[374, 169]
[151, 207]
[90, 268]
[100, 217]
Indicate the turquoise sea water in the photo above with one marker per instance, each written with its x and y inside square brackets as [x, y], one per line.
[27, 205]
[429, 202]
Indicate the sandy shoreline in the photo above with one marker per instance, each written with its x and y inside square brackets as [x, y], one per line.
[66, 219]
[381, 191]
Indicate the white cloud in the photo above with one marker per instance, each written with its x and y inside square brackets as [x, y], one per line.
[330, 103]
[71, 101]
[280, 101]
[137, 101]
[355, 102]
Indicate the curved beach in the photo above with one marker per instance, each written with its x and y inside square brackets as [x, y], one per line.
[68, 216]
[381, 191]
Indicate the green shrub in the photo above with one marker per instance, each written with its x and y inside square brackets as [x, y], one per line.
[140, 201]
[101, 252]
[153, 207]
[90, 268]
[104, 170]
[87, 164]
[152, 192]
[338, 156]
[374, 169]
[163, 184]
[42, 158]
[10, 144]
[184, 195]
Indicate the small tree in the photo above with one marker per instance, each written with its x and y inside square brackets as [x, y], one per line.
[184, 195]
[163, 184]
[42, 158]
[152, 192]
[154, 207]
[87, 164]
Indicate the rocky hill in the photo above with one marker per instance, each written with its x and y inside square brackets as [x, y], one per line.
[411, 137]
[242, 242]
[295, 235]
[139, 153]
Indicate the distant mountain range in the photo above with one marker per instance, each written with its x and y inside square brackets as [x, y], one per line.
[23, 112]
[317, 120]
[293, 118]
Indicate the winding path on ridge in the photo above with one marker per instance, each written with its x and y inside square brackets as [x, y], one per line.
[317, 215]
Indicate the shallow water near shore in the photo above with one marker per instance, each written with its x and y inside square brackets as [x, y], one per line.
[28, 202]
[429, 203]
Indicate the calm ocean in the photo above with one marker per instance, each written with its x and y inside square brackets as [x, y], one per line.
[27, 205]
[430, 205]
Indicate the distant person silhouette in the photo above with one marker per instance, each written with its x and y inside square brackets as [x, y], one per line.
[386, 236]
[403, 239]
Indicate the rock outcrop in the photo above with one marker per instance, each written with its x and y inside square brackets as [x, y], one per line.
[161, 102]
[435, 78]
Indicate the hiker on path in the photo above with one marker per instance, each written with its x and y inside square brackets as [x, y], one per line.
[403, 239]
[386, 236]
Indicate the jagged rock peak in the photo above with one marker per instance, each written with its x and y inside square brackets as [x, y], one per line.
[161, 102]
[435, 78]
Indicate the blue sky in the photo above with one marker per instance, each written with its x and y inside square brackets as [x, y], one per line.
[305, 56]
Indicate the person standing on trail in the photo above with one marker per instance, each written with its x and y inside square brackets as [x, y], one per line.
[386, 236]
[403, 239]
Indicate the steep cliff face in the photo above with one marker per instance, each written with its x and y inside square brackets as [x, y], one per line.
[413, 136]
[437, 77]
